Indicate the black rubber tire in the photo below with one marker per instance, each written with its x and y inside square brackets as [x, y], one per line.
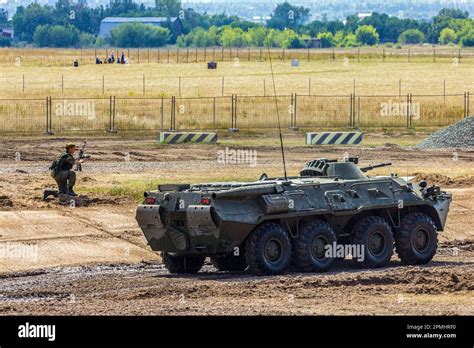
[268, 237]
[303, 257]
[405, 244]
[364, 233]
[180, 264]
[230, 262]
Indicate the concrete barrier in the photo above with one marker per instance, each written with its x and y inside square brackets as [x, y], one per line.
[333, 138]
[187, 137]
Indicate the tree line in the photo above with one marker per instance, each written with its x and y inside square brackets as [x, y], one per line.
[68, 24]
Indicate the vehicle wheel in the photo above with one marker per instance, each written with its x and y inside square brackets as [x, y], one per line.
[230, 262]
[417, 240]
[310, 247]
[376, 238]
[268, 250]
[180, 264]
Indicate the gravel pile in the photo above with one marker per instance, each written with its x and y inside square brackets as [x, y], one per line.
[457, 135]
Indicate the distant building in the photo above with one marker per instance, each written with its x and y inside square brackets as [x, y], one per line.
[109, 23]
[260, 19]
[362, 15]
[313, 43]
[7, 32]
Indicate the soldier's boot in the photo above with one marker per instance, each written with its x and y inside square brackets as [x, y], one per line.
[48, 193]
[71, 183]
[71, 192]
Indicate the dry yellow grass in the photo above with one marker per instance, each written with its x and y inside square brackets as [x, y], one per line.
[46, 72]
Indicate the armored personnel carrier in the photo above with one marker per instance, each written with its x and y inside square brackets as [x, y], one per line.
[271, 223]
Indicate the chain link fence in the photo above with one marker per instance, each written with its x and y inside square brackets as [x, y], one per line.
[134, 114]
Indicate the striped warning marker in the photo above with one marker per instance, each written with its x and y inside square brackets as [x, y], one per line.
[187, 137]
[333, 138]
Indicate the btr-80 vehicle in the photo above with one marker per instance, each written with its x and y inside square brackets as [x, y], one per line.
[272, 223]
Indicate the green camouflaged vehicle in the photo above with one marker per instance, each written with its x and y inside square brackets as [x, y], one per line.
[271, 223]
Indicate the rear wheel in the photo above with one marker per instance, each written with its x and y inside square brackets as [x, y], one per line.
[375, 236]
[230, 262]
[268, 250]
[417, 240]
[180, 264]
[310, 247]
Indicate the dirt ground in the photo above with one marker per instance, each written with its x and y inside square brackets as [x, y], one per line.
[93, 259]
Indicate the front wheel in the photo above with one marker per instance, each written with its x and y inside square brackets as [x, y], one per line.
[310, 248]
[373, 239]
[181, 264]
[268, 250]
[417, 240]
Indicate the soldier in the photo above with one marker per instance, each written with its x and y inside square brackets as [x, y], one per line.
[61, 171]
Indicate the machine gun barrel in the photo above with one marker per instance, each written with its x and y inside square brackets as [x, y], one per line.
[380, 165]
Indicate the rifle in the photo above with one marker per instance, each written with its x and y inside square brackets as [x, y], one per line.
[81, 155]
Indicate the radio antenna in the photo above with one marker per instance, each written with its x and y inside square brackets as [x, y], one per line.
[278, 112]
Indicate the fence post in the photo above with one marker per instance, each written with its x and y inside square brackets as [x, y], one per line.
[113, 116]
[162, 111]
[248, 57]
[434, 55]
[173, 114]
[409, 106]
[51, 116]
[62, 84]
[264, 88]
[444, 91]
[309, 86]
[293, 123]
[47, 116]
[23, 83]
[466, 104]
[214, 114]
[383, 55]
[351, 109]
[168, 55]
[358, 113]
[110, 114]
[158, 55]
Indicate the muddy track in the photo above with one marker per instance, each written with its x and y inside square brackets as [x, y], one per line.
[445, 286]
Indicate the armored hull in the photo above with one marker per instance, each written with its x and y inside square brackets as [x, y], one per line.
[267, 224]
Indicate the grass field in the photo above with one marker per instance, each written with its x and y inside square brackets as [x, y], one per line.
[323, 84]
[37, 73]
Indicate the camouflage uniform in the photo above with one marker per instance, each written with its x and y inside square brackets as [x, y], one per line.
[65, 177]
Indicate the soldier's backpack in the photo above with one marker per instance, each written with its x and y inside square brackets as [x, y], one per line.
[56, 165]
